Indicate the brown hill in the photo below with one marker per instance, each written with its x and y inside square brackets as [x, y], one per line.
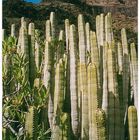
[124, 13]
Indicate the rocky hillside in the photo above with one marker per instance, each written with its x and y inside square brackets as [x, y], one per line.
[124, 12]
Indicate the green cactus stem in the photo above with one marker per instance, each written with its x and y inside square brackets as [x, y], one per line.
[84, 103]
[98, 29]
[32, 68]
[92, 96]
[53, 25]
[87, 28]
[48, 30]
[120, 57]
[31, 123]
[67, 28]
[47, 77]
[126, 73]
[59, 87]
[73, 80]
[134, 71]
[101, 124]
[13, 30]
[37, 51]
[108, 28]
[113, 119]
[82, 39]
[132, 123]
[24, 50]
[105, 79]
[61, 35]
[3, 34]
[95, 60]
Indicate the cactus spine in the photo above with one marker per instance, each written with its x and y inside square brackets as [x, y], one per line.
[132, 123]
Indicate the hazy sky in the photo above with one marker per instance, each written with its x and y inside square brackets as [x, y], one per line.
[33, 1]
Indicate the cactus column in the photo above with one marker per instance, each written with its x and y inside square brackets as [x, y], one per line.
[93, 100]
[113, 119]
[83, 78]
[73, 81]
[32, 68]
[134, 71]
[132, 123]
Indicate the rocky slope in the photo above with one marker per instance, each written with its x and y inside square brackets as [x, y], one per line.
[124, 13]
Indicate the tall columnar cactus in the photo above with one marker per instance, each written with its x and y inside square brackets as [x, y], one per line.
[58, 99]
[120, 57]
[95, 60]
[32, 68]
[82, 39]
[24, 49]
[92, 96]
[98, 29]
[48, 30]
[37, 53]
[132, 123]
[61, 35]
[62, 130]
[67, 28]
[113, 119]
[84, 102]
[6, 65]
[88, 37]
[108, 28]
[47, 77]
[59, 87]
[102, 36]
[83, 78]
[79, 81]
[3, 34]
[126, 73]
[101, 124]
[31, 123]
[13, 30]
[43, 118]
[134, 75]
[73, 80]
[60, 48]
[53, 25]
[105, 80]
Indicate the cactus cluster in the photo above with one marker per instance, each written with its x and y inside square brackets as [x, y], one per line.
[90, 80]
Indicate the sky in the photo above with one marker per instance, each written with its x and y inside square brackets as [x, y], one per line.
[33, 1]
